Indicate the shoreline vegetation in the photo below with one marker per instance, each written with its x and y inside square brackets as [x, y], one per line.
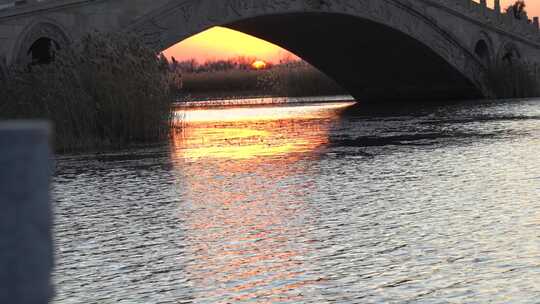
[111, 91]
[513, 79]
[106, 91]
[510, 77]
[238, 78]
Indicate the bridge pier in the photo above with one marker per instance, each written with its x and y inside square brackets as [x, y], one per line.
[26, 254]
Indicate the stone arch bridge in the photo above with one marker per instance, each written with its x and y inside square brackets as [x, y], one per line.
[376, 49]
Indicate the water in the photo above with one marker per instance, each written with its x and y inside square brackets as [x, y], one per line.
[257, 101]
[319, 203]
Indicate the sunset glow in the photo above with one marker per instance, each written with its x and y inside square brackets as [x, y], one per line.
[533, 6]
[224, 43]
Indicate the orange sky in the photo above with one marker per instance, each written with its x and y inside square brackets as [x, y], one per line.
[533, 6]
[222, 43]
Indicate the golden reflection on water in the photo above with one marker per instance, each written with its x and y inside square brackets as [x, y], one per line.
[241, 133]
[245, 220]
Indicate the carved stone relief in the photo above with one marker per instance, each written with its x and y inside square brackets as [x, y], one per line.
[40, 30]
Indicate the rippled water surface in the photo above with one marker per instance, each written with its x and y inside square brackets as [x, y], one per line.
[311, 203]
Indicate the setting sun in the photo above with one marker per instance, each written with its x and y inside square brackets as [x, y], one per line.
[259, 64]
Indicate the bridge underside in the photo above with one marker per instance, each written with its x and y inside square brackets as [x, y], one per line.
[372, 61]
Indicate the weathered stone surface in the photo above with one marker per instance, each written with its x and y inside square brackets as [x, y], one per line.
[366, 45]
[3, 67]
[26, 254]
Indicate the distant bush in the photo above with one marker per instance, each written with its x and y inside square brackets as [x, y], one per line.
[191, 66]
[517, 10]
[285, 79]
[513, 80]
[106, 90]
[224, 83]
[298, 80]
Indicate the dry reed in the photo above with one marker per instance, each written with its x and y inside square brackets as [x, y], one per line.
[279, 80]
[107, 90]
[513, 80]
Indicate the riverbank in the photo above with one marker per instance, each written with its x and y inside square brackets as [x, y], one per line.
[294, 79]
[107, 91]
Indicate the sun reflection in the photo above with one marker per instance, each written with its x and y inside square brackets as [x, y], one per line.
[246, 226]
[241, 133]
[213, 116]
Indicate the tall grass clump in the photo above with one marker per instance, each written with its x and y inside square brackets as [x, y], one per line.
[297, 80]
[513, 80]
[229, 83]
[107, 90]
[230, 79]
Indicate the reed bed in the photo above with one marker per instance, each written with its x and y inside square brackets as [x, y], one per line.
[107, 90]
[279, 80]
[516, 80]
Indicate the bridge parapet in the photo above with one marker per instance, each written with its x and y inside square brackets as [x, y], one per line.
[475, 11]
[494, 17]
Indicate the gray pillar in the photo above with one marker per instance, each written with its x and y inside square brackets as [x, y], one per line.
[26, 248]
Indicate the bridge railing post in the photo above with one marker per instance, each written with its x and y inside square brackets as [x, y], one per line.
[26, 249]
[483, 9]
[497, 7]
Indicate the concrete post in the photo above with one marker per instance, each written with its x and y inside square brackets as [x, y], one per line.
[536, 23]
[26, 248]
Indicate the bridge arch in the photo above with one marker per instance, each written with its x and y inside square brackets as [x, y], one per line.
[39, 41]
[375, 49]
[509, 53]
[483, 48]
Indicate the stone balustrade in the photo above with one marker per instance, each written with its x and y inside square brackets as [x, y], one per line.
[471, 8]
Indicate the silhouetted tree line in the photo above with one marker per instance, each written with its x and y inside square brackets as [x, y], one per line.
[518, 10]
[192, 66]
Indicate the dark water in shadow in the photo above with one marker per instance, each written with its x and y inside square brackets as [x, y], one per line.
[320, 203]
